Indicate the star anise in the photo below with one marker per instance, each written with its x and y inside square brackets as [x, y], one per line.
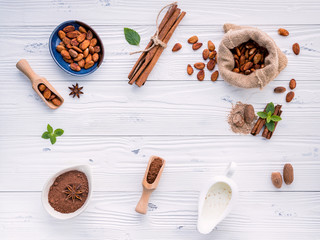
[73, 192]
[76, 90]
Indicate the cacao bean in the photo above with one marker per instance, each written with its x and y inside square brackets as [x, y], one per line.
[89, 64]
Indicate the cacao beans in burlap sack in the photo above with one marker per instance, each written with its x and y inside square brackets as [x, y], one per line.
[275, 62]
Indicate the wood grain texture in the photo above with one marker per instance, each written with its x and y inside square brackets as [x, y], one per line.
[115, 127]
[200, 12]
[173, 108]
[190, 161]
[32, 43]
[258, 214]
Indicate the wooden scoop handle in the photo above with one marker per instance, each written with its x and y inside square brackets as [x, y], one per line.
[24, 67]
[142, 206]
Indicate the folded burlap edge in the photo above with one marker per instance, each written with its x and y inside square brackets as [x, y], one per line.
[275, 62]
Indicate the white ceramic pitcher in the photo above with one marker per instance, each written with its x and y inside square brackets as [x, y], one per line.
[216, 200]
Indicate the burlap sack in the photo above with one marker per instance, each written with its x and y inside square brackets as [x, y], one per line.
[275, 62]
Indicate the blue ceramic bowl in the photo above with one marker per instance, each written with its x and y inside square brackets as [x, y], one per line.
[55, 40]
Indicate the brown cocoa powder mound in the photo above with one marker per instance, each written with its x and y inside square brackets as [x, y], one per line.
[58, 199]
[237, 110]
[154, 169]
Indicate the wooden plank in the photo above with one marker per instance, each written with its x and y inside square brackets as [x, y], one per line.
[32, 43]
[121, 12]
[171, 108]
[171, 215]
[27, 162]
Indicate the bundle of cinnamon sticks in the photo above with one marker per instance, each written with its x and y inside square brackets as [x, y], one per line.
[148, 59]
[261, 122]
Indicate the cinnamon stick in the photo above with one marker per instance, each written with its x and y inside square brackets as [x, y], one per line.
[149, 56]
[162, 24]
[275, 125]
[277, 109]
[141, 80]
[259, 125]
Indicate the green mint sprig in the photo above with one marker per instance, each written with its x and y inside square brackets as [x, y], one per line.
[270, 118]
[131, 36]
[52, 135]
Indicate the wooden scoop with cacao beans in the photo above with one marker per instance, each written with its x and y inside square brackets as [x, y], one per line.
[41, 86]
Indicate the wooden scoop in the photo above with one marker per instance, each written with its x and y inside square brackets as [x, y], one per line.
[148, 188]
[36, 80]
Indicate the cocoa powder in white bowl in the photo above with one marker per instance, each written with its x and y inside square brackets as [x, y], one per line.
[53, 201]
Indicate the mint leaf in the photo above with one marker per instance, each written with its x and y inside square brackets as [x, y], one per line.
[276, 118]
[46, 135]
[268, 119]
[52, 135]
[262, 114]
[49, 128]
[270, 108]
[270, 126]
[53, 139]
[58, 132]
[132, 36]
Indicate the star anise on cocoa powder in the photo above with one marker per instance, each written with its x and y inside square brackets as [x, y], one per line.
[76, 90]
[73, 192]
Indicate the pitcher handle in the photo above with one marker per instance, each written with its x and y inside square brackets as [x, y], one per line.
[231, 169]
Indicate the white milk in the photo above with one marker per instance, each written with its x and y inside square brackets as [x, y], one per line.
[215, 203]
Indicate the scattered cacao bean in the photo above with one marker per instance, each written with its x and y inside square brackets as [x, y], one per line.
[200, 75]
[211, 64]
[283, 32]
[193, 39]
[189, 69]
[196, 46]
[279, 90]
[296, 48]
[290, 96]
[199, 65]
[205, 54]
[214, 76]
[292, 84]
[276, 179]
[288, 175]
[176, 47]
[211, 46]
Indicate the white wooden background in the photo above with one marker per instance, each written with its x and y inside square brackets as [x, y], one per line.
[115, 127]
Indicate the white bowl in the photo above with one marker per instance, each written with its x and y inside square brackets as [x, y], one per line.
[45, 192]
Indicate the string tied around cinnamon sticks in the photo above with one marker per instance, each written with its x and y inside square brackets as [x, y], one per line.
[155, 39]
[149, 57]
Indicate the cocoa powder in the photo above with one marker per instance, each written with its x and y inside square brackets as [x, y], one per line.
[58, 198]
[236, 118]
[154, 169]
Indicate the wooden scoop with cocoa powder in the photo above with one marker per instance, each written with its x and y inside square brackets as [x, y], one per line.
[150, 182]
[41, 86]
